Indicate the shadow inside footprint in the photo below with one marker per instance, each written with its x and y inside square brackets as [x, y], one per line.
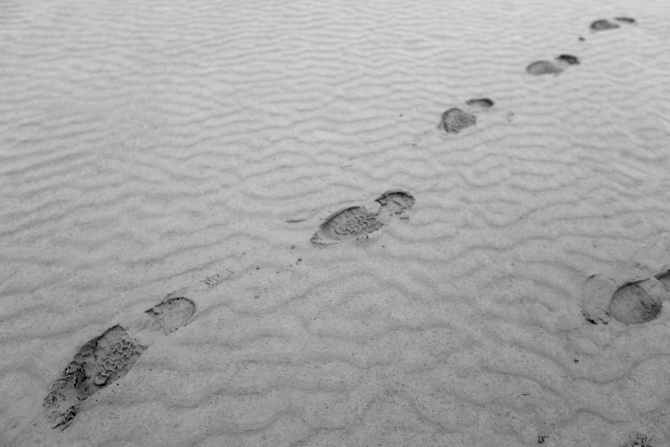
[638, 302]
[104, 359]
[358, 221]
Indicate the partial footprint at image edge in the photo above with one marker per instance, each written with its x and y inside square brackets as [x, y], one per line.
[359, 221]
[105, 359]
[640, 302]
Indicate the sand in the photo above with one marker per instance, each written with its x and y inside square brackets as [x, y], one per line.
[193, 149]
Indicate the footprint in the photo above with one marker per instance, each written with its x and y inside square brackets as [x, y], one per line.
[639, 440]
[543, 67]
[395, 202]
[358, 221]
[483, 103]
[626, 20]
[557, 66]
[107, 358]
[568, 59]
[630, 294]
[348, 223]
[454, 120]
[640, 301]
[602, 25]
[171, 314]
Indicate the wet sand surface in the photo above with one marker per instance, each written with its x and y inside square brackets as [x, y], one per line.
[334, 223]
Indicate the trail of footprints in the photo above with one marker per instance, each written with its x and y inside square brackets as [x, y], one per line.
[565, 61]
[456, 119]
[109, 357]
[635, 302]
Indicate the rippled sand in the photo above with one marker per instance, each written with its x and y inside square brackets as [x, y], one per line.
[195, 148]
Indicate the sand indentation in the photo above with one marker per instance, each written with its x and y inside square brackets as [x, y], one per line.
[603, 24]
[638, 302]
[171, 314]
[350, 223]
[626, 20]
[107, 358]
[98, 363]
[568, 59]
[483, 103]
[454, 120]
[557, 66]
[538, 68]
[396, 202]
[359, 221]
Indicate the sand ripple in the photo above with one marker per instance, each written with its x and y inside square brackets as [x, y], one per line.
[146, 146]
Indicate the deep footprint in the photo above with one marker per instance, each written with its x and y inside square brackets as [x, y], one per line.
[639, 302]
[358, 221]
[107, 358]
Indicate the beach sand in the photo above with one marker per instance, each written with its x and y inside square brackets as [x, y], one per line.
[248, 223]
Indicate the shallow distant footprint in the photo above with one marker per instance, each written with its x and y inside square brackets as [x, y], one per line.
[454, 120]
[108, 357]
[360, 221]
[557, 66]
[604, 24]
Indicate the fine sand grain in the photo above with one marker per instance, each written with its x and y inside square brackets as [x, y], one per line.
[254, 223]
